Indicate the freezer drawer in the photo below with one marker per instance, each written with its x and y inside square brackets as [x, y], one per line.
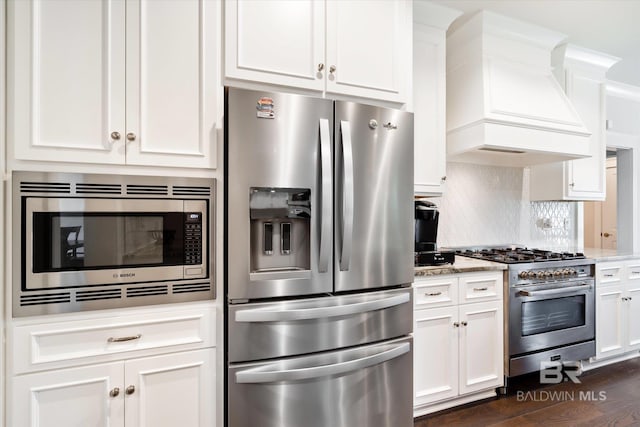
[286, 328]
[365, 386]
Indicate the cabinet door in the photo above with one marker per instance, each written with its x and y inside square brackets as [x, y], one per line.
[172, 84]
[633, 315]
[77, 397]
[435, 355]
[66, 77]
[171, 390]
[369, 48]
[429, 93]
[481, 346]
[609, 321]
[276, 41]
[586, 177]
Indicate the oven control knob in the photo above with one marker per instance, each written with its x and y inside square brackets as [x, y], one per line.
[523, 274]
[548, 274]
[531, 274]
[540, 274]
[557, 273]
[572, 272]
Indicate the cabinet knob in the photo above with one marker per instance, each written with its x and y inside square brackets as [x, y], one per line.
[131, 136]
[443, 179]
[130, 390]
[606, 235]
[573, 184]
[464, 323]
[115, 136]
[320, 67]
[332, 69]
[115, 392]
[456, 324]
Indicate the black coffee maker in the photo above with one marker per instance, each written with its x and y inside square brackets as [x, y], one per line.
[426, 233]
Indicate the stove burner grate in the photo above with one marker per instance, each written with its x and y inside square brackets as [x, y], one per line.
[519, 255]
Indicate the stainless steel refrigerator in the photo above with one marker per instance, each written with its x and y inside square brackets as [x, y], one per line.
[318, 262]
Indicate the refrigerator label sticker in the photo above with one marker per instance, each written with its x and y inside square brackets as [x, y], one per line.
[265, 108]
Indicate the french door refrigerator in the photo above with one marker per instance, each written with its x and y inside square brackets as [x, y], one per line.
[318, 262]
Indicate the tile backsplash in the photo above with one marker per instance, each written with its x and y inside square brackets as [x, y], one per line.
[488, 205]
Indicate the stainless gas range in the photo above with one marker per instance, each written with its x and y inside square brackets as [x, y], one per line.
[549, 306]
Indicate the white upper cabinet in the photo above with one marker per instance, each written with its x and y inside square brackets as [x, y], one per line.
[368, 48]
[581, 72]
[430, 23]
[172, 85]
[346, 47]
[119, 82]
[66, 91]
[623, 113]
[276, 41]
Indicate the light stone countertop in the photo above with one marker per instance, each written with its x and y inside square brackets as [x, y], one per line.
[461, 265]
[604, 255]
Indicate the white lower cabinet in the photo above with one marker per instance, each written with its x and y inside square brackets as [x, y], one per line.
[458, 345]
[167, 390]
[170, 386]
[617, 308]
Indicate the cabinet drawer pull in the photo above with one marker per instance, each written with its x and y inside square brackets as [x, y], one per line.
[123, 339]
[480, 289]
[608, 275]
[635, 272]
[432, 294]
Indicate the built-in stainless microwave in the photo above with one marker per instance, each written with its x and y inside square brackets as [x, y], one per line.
[87, 242]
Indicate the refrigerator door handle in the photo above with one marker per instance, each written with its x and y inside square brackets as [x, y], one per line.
[347, 201]
[327, 208]
[263, 374]
[277, 315]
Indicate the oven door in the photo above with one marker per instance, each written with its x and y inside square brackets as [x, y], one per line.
[547, 316]
[71, 242]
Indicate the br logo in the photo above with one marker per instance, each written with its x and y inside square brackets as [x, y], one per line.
[555, 372]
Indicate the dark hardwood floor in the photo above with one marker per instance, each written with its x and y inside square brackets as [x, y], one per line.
[607, 396]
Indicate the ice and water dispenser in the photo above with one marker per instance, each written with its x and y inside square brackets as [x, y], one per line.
[280, 229]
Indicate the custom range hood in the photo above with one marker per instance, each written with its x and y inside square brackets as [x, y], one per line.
[504, 106]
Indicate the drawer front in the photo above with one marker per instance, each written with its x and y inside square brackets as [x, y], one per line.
[61, 344]
[436, 293]
[611, 273]
[363, 386]
[633, 270]
[257, 330]
[480, 287]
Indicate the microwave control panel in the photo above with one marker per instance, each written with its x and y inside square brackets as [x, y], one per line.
[193, 238]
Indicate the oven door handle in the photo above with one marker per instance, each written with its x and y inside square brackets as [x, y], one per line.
[278, 315]
[554, 291]
[263, 374]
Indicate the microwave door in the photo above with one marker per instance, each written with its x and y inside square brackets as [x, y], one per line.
[82, 241]
[279, 194]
